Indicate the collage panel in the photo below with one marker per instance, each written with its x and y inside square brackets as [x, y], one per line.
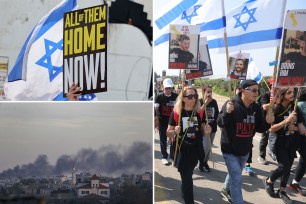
[76, 153]
[76, 50]
[229, 101]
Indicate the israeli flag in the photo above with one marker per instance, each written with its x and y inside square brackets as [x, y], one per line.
[255, 24]
[253, 72]
[38, 71]
[207, 14]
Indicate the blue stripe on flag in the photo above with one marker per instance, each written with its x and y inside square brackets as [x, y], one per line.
[258, 77]
[16, 72]
[174, 13]
[55, 16]
[161, 39]
[258, 36]
[60, 97]
[272, 63]
[213, 25]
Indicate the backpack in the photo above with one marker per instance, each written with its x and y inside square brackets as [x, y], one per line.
[176, 116]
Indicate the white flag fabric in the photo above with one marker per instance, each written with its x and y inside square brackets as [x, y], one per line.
[255, 24]
[40, 62]
[253, 72]
[207, 14]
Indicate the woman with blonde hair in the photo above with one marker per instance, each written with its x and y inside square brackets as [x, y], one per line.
[190, 130]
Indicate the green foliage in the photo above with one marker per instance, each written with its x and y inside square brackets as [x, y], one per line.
[220, 86]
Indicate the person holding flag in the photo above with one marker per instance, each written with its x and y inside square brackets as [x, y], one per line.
[282, 141]
[185, 123]
[239, 120]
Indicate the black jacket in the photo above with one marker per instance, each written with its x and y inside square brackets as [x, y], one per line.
[239, 127]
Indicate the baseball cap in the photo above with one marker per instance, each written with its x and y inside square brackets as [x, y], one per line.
[247, 83]
[168, 83]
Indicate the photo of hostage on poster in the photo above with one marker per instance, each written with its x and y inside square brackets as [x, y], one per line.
[84, 48]
[205, 68]
[292, 66]
[239, 65]
[184, 47]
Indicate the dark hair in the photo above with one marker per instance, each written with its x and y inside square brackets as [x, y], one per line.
[302, 94]
[204, 87]
[279, 96]
[183, 37]
[238, 60]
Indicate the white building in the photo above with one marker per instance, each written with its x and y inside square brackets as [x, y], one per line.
[94, 187]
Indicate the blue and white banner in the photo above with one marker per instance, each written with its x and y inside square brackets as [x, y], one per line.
[253, 72]
[207, 14]
[255, 24]
[38, 72]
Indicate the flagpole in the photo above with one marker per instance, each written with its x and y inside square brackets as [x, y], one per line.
[179, 120]
[229, 86]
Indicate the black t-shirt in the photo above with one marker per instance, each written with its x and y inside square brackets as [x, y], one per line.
[281, 113]
[182, 56]
[194, 130]
[212, 112]
[166, 105]
[264, 99]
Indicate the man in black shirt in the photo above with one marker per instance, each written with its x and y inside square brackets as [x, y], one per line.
[164, 103]
[181, 57]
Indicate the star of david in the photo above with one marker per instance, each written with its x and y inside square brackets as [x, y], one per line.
[45, 61]
[193, 14]
[251, 19]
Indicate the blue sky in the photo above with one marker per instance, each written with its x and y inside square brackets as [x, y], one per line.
[261, 57]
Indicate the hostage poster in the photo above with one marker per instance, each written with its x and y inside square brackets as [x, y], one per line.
[239, 65]
[184, 47]
[3, 74]
[292, 66]
[205, 68]
[84, 48]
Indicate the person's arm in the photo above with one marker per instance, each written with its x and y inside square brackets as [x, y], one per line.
[283, 123]
[173, 128]
[224, 116]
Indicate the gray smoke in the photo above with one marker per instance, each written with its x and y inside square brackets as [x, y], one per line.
[108, 160]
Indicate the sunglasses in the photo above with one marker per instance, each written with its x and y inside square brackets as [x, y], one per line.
[195, 96]
[168, 88]
[208, 91]
[253, 90]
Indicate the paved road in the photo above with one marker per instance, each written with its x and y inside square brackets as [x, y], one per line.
[207, 186]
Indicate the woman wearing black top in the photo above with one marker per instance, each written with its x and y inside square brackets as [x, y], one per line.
[190, 130]
[211, 112]
[282, 138]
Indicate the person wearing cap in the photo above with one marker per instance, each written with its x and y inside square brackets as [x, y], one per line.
[282, 141]
[264, 103]
[239, 120]
[164, 103]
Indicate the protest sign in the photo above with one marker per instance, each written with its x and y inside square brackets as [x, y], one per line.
[205, 68]
[292, 66]
[239, 65]
[184, 47]
[85, 49]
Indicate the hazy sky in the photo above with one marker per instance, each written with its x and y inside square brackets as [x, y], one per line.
[54, 129]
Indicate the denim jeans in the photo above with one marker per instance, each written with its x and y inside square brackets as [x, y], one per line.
[163, 140]
[233, 181]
